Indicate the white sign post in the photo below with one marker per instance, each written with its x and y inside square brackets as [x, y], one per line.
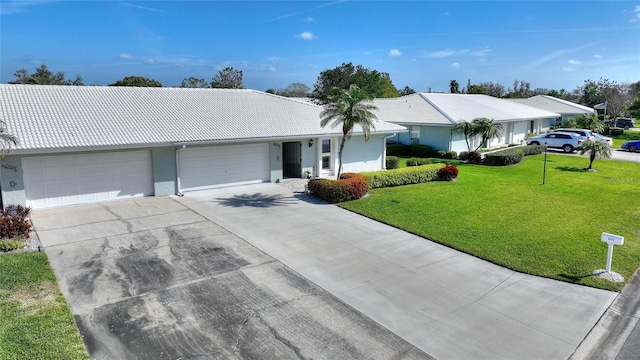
[611, 240]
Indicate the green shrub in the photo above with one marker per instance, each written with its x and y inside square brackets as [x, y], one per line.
[504, 157]
[351, 186]
[392, 162]
[403, 176]
[421, 151]
[451, 155]
[398, 150]
[12, 244]
[617, 131]
[532, 150]
[441, 154]
[448, 173]
[417, 161]
[463, 155]
[474, 157]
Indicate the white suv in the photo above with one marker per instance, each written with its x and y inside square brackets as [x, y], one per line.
[566, 141]
[585, 134]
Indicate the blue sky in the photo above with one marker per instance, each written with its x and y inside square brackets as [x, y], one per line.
[421, 44]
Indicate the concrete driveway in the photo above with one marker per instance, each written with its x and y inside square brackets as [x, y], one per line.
[446, 303]
[152, 279]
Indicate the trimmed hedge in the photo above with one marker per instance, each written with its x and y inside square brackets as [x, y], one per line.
[392, 162]
[351, 186]
[617, 131]
[504, 157]
[403, 176]
[532, 150]
[417, 162]
[421, 151]
[398, 150]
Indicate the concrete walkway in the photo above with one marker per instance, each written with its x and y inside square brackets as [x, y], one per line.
[448, 304]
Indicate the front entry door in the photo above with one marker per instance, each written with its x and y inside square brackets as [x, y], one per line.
[292, 159]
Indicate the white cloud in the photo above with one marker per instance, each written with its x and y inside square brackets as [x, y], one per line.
[142, 7]
[271, 69]
[636, 13]
[126, 56]
[597, 56]
[568, 68]
[310, 20]
[445, 14]
[455, 65]
[482, 52]
[442, 53]
[394, 52]
[368, 52]
[574, 62]
[306, 36]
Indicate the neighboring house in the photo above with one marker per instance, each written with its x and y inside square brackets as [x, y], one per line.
[565, 108]
[82, 144]
[430, 118]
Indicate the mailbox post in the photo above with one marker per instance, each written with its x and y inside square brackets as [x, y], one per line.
[611, 240]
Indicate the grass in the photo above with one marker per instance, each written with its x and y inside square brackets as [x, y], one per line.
[403, 161]
[505, 215]
[628, 135]
[35, 321]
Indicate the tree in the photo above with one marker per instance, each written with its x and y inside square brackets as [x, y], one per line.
[6, 139]
[634, 108]
[487, 129]
[193, 82]
[454, 88]
[406, 91]
[296, 89]
[465, 128]
[227, 78]
[372, 82]
[43, 76]
[595, 148]
[521, 89]
[348, 107]
[591, 122]
[137, 81]
[477, 89]
[493, 89]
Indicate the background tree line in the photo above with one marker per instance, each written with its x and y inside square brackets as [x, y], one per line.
[621, 98]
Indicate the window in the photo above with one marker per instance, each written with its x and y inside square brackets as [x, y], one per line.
[326, 154]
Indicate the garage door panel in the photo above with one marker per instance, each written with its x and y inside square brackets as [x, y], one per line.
[83, 178]
[218, 166]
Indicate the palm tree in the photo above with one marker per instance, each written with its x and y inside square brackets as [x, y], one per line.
[487, 129]
[6, 139]
[465, 128]
[454, 87]
[595, 148]
[348, 107]
[591, 122]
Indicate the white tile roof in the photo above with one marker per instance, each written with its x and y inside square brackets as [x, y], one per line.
[67, 117]
[448, 109]
[554, 104]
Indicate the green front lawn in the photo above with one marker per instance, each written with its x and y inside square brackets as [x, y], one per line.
[35, 321]
[628, 135]
[505, 215]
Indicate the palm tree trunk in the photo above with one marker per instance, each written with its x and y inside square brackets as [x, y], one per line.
[592, 157]
[342, 142]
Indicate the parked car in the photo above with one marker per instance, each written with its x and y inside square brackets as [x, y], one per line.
[566, 141]
[632, 146]
[603, 139]
[585, 134]
[624, 123]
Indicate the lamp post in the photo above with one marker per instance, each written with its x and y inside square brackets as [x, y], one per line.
[544, 171]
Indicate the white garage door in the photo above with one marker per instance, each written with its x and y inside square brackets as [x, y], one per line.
[217, 166]
[83, 178]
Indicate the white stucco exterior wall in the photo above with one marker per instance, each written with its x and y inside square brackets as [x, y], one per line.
[361, 156]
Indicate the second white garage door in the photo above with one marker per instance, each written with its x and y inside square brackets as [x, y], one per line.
[218, 166]
[84, 178]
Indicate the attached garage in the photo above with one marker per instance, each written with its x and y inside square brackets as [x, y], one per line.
[60, 180]
[218, 166]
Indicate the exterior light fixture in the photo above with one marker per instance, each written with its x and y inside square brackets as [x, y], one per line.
[310, 142]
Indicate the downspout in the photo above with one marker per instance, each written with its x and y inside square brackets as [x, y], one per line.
[384, 150]
[179, 193]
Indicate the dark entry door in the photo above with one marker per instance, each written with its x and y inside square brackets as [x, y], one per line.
[292, 159]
